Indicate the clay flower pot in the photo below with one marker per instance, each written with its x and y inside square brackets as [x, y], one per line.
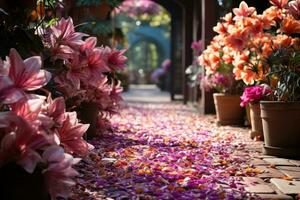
[281, 127]
[256, 122]
[88, 114]
[16, 184]
[228, 109]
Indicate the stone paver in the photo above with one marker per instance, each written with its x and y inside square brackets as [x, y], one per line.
[295, 162]
[257, 185]
[279, 161]
[257, 162]
[267, 172]
[275, 197]
[287, 187]
[260, 188]
[290, 171]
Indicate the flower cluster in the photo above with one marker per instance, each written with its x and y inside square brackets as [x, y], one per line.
[36, 130]
[246, 39]
[86, 74]
[135, 8]
[254, 94]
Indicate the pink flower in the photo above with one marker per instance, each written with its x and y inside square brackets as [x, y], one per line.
[294, 8]
[63, 33]
[64, 41]
[115, 58]
[20, 142]
[254, 94]
[59, 173]
[24, 76]
[70, 135]
[279, 3]
[56, 109]
[8, 93]
[30, 109]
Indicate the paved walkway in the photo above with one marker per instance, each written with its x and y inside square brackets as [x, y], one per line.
[164, 150]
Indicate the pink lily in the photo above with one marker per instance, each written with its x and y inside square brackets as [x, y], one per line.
[294, 8]
[70, 135]
[56, 109]
[20, 142]
[63, 33]
[116, 59]
[24, 76]
[59, 173]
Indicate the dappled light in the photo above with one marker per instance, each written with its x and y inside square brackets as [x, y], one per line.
[149, 99]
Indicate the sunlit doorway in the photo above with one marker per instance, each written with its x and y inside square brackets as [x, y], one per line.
[146, 27]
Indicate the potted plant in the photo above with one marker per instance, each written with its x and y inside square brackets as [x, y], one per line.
[281, 115]
[219, 76]
[252, 95]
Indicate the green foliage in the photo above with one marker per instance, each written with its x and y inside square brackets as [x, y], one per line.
[285, 69]
[96, 27]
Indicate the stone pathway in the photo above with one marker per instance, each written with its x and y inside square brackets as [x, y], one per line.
[164, 150]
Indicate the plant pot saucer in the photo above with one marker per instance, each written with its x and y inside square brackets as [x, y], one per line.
[282, 152]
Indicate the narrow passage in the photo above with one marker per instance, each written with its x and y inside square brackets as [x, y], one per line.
[166, 151]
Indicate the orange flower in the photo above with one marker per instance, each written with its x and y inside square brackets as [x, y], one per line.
[271, 15]
[282, 41]
[289, 25]
[243, 11]
[220, 28]
[228, 18]
[256, 26]
[237, 39]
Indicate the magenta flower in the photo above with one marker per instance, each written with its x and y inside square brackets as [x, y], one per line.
[135, 8]
[254, 94]
[24, 76]
[59, 173]
[197, 46]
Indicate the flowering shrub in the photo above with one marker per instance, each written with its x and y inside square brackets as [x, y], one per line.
[254, 94]
[136, 8]
[37, 131]
[247, 39]
[34, 130]
[84, 75]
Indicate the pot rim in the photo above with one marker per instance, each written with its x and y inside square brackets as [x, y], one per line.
[279, 102]
[224, 94]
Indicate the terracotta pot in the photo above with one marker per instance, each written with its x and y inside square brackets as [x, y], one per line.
[88, 114]
[248, 115]
[281, 127]
[17, 184]
[228, 109]
[256, 122]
